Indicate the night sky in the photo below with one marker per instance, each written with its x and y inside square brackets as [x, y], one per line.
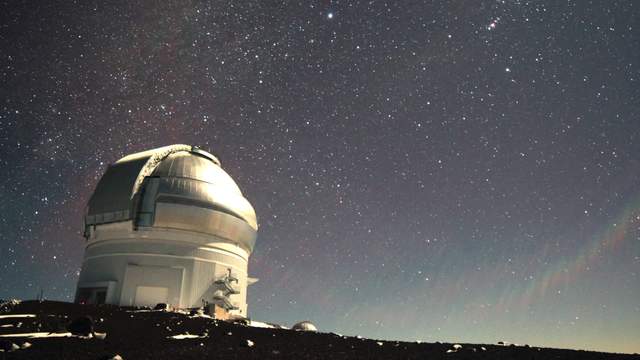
[434, 171]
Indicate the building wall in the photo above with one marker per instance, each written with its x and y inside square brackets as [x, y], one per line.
[152, 279]
[185, 263]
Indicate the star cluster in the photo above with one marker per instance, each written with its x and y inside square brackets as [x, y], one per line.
[436, 171]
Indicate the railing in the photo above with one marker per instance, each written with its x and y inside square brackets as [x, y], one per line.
[224, 289]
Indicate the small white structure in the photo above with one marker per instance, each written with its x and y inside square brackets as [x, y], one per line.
[168, 226]
[304, 326]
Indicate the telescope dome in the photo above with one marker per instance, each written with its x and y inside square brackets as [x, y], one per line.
[304, 326]
[168, 226]
[177, 187]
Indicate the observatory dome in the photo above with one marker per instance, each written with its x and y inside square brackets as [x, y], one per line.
[304, 326]
[139, 187]
[170, 226]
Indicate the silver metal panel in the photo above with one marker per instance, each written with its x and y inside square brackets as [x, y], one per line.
[204, 194]
[194, 166]
[197, 150]
[111, 201]
[203, 220]
[157, 156]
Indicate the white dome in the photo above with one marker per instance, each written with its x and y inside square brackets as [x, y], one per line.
[203, 197]
[304, 326]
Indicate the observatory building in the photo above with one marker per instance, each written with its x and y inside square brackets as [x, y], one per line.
[168, 226]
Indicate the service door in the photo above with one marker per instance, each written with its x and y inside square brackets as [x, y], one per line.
[150, 285]
[151, 295]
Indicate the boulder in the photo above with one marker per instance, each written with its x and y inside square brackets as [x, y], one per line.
[82, 326]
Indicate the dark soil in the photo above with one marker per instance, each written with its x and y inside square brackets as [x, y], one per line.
[145, 335]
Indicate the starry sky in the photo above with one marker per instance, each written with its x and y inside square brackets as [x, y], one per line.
[421, 170]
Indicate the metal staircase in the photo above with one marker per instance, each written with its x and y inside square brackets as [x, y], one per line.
[225, 288]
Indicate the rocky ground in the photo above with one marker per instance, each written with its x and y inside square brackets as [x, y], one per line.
[144, 334]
